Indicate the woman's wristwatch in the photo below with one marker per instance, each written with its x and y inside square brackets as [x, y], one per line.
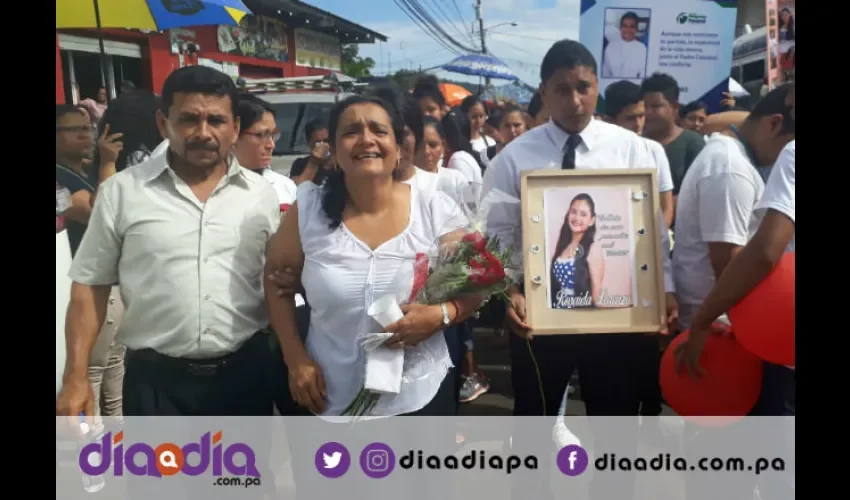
[447, 320]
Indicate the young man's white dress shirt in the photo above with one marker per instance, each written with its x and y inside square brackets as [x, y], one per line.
[715, 205]
[190, 273]
[603, 146]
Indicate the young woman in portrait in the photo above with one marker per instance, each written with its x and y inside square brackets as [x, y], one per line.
[578, 265]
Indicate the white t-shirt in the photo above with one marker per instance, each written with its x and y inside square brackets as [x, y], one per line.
[283, 186]
[779, 191]
[464, 163]
[624, 60]
[716, 203]
[665, 178]
[481, 144]
[450, 182]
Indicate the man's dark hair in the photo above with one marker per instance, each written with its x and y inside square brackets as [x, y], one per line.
[199, 80]
[620, 95]
[566, 54]
[314, 126]
[775, 103]
[664, 84]
[427, 86]
[251, 110]
[66, 109]
[127, 85]
[691, 107]
[536, 105]
[629, 15]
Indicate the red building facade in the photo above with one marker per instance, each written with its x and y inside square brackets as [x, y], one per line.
[285, 38]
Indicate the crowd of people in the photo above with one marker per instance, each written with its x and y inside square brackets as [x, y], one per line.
[204, 283]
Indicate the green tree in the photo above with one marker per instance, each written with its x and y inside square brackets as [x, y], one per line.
[353, 65]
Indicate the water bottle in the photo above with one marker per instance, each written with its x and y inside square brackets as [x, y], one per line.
[92, 484]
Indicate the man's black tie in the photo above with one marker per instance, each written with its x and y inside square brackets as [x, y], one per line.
[569, 161]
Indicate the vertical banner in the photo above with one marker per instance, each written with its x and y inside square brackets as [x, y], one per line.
[787, 36]
[771, 61]
[691, 40]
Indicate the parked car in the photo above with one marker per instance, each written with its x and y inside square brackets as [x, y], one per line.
[297, 101]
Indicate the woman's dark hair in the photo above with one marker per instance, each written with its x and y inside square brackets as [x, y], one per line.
[334, 196]
[508, 109]
[789, 28]
[430, 121]
[134, 115]
[470, 101]
[582, 270]
[251, 110]
[428, 86]
[456, 133]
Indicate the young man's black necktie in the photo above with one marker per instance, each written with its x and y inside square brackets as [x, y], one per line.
[569, 161]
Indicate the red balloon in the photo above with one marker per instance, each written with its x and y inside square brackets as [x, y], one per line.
[764, 320]
[727, 391]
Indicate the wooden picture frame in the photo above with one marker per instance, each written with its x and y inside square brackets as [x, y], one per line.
[607, 281]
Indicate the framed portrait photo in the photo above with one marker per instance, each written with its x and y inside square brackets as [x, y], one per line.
[592, 251]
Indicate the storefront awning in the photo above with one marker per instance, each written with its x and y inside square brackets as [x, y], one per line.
[297, 14]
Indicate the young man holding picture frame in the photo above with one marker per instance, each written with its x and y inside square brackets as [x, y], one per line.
[610, 380]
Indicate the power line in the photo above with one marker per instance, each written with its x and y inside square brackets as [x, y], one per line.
[414, 8]
[462, 19]
[422, 25]
[448, 21]
[524, 36]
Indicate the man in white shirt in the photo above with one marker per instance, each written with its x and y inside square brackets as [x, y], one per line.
[773, 229]
[625, 57]
[184, 237]
[719, 196]
[609, 374]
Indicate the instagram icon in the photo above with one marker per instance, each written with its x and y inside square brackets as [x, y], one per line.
[377, 460]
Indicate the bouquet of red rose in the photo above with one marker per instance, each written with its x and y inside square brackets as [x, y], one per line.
[468, 262]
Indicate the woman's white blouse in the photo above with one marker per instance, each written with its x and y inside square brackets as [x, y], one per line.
[342, 276]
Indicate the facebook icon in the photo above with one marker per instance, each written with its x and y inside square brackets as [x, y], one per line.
[572, 460]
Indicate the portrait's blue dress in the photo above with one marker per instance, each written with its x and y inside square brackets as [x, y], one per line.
[564, 271]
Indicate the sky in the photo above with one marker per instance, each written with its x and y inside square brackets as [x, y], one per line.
[540, 23]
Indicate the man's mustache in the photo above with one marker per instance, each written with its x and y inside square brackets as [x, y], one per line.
[202, 146]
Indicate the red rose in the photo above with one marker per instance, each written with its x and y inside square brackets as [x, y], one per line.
[284, 207]
[476, 239]
[420, 275]
[486, 271]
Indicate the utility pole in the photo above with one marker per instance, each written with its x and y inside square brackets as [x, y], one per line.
[483, 34]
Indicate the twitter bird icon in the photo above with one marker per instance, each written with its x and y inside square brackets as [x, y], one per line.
[332, 460]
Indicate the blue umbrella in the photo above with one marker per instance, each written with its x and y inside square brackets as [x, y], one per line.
[480, 65]
[510, 92]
